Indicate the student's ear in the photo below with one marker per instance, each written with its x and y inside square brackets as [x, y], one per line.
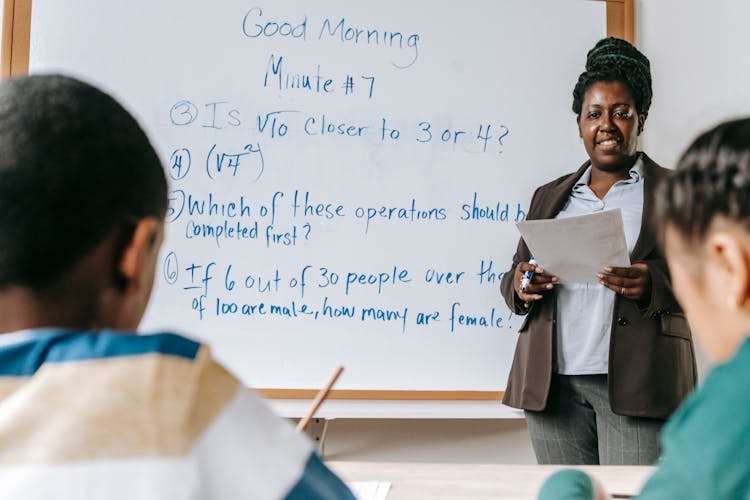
[730, 258]
[137, 253]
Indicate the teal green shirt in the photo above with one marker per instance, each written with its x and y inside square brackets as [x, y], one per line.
[706, 444]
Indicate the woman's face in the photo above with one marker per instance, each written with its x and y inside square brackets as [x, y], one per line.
[710, 281]
[609, 125]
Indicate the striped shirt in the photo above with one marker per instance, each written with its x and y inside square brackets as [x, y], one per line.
[122, 416]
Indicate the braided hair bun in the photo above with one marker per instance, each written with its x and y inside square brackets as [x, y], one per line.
[613, 59]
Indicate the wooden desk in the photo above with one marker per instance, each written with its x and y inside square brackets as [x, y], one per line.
[415, 481]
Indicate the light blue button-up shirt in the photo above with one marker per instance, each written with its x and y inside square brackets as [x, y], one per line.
[584, 311]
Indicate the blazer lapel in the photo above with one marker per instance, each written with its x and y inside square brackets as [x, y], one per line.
[559, 194]
[646, 241]
[652, 173]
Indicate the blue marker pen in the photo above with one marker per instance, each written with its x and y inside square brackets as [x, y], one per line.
[527, 276]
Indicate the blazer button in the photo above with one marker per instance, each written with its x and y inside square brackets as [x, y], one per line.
[622, 321]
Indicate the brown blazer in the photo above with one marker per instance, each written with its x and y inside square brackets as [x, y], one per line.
[651, 358]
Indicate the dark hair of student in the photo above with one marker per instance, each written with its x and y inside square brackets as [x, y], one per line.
[711, 179]
[74, 166]
[613, 59]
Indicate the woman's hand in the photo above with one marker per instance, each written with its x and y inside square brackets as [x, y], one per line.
[540, 282]
[632, 282]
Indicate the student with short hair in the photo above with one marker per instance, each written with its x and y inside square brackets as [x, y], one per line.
[704, 208]
[88, 408]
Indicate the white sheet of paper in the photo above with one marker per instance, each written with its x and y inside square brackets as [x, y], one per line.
[369, 490]
[576, 248]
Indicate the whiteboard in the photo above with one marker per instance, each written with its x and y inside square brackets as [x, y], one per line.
[344, 179]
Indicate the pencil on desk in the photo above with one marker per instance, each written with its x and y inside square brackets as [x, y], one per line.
[319, 398]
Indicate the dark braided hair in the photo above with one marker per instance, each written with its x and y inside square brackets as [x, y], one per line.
[712, 178]
[74, 165]
[613, 59]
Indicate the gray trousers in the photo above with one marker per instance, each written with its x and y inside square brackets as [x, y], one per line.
[579, 427]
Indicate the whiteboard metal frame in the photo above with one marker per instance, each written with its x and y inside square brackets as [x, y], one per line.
[391, 409]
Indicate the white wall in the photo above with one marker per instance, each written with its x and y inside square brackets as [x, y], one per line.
[701, 73]
[701, 69]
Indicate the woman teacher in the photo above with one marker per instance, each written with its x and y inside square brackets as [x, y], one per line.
[704, 211]
[598, 368]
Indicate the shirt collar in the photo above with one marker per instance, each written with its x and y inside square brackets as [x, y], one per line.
[11, 338]
[636, 174]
